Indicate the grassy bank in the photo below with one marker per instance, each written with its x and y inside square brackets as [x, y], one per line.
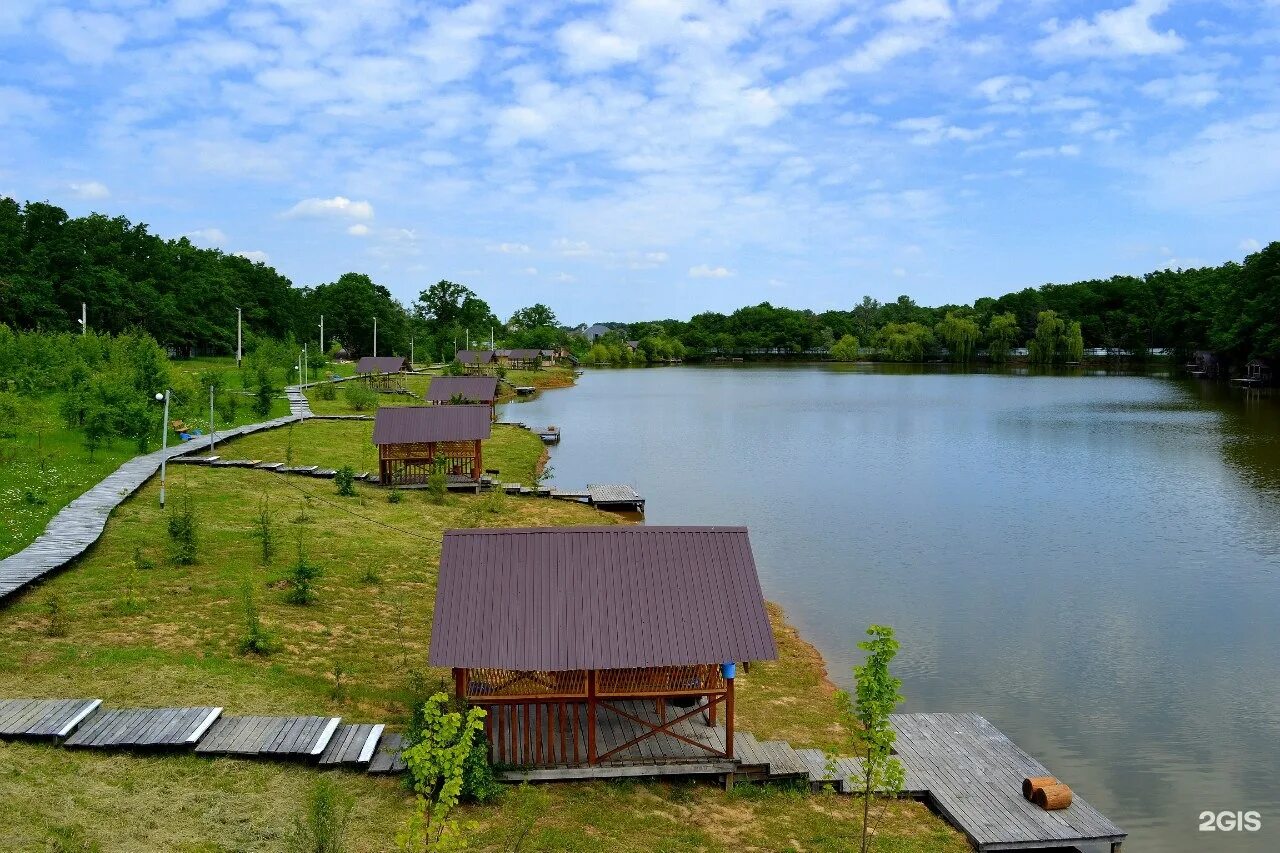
[417, 384]
[167, 634]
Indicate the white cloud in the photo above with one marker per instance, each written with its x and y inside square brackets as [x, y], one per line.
[90, 190]
[89, 37]
[1184, 90]
[1049, 151]
[1006, 88]
[510, 249]
[589, 47]
[338, 206]
[1228, 162]
[708, 271]
[572, 248]
[207, 236]
[1250, 245]
[257, 256]
[934, 129]
[1111, 33]
[919, 10]
[563, 277]
[358, 230]
[530, 271]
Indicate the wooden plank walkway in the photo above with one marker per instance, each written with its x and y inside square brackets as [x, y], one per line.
[974, 774]
[352, 745]
[80, 523]
[140, 728]
[250, 737]
[43, 718]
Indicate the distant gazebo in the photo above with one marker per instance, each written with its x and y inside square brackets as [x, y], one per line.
[475, 359]
[445, 390]
[600, 645]
[409, 438]
[382, 372]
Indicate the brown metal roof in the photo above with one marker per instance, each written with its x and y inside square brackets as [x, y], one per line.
[475, 356]
[380, 364]
[406, 424]
[563, 598]
[477, 389]
[524, 354]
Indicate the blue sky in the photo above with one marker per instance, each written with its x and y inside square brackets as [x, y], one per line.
[655, 158]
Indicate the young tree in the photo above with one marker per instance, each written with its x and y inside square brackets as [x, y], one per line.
[845, 349]
[1047, 346]
[1074, 342]
[875, 698]
[442, 744]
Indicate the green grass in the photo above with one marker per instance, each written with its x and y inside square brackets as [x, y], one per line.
[416, 385]
[169, 635]
[516, 452]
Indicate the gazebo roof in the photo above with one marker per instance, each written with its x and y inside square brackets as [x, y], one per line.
[475, 356]
[380, 364]
[567, 598]
[480, 389]
[414, 424]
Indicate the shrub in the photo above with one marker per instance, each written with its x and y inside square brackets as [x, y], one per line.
[441, 742]
[327, 391]
[339, 690]
[302, 579]
[263, 396]
[257, 640]
[437, 482]
[370, 574]
[360, 397]
[183, 532]
[395, 496]
[55, 616]
[323, 827]
[140, 562]
[345, 478]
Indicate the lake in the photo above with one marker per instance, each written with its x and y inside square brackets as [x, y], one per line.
[1090, 561]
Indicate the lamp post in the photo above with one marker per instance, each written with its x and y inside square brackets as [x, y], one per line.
[164, 441]
[210, 420]
[322, 333]
[239, 337]
[375, 337]
[84, 318]
[306, 367]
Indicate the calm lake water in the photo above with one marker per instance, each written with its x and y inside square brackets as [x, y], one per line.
[1089, 561]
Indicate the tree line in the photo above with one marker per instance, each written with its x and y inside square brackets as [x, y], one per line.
[186, 298]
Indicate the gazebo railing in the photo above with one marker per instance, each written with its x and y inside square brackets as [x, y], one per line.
[653, 681]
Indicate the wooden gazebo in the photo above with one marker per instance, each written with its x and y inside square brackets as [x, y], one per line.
[476, 359]
[446, 390]
[409, 438]
[382, 372]
[600, 645]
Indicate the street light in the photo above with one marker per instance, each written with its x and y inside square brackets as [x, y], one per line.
[164, 441]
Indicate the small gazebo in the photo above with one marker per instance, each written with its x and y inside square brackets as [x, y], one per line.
[382, 372]
[410, 438]
[446, 390]
[600, 645]
[475, 359]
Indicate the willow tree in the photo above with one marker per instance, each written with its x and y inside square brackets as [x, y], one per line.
[1073, 342]
[904, 341]
[1049, 344]
[960, 335]
[1002, 332]
[845, 349]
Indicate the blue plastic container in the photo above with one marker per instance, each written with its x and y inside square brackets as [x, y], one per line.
[728, 669]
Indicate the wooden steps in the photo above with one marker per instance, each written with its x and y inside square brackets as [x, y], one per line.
[43, 718]
[142, 728]
[352, 745]
[269, 736]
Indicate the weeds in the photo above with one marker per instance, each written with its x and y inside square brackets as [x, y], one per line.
[264, 531]
[302, 579]
[56, 623]
[338, 692]
[323, 827]
[183, 532]
[257, 639]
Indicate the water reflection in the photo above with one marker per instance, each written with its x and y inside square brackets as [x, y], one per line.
[1087, 560]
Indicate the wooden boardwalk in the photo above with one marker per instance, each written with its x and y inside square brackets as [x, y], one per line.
[80, 523]
[968, 769]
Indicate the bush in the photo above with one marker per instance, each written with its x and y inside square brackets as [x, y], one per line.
[183, 532]
[345, 478]
[264, 529]
[360, 397]
[302, 579]
[395, 496]
[327, 391]
[437, 482]
[323, 827]
[140, 562]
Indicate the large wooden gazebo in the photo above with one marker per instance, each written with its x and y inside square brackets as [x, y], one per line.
[475, 359]
[410, 438]
[446, 390]
[600, 645]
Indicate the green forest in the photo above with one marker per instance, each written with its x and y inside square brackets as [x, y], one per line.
[134, 280]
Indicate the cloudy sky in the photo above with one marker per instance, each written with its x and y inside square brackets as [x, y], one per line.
[654, 158]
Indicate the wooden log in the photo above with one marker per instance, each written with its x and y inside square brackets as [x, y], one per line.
[1031, 783]
[1052, 797]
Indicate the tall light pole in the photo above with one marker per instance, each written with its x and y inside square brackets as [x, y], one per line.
[211, 420]
[239, 338]
[84, 318]
[306, 366]
[411, 353]
[164, 441]
[375, 337]
[321, 333]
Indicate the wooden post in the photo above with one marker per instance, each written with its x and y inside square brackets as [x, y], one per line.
[1115, 846]
[460, 682]
[477, 464]
[728, 723]
[711, 711]
[591, 716]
